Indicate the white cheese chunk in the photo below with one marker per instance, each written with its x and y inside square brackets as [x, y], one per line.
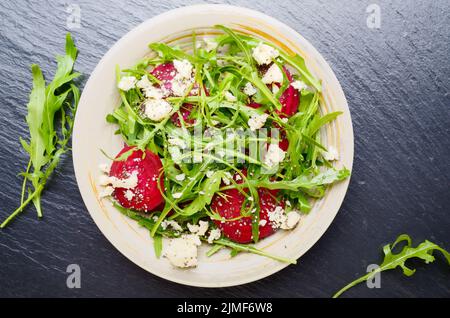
[180, 177]
[274, 155]
[106, 192]
[262, 222]
[291, 220]
[299, 85]
[129, 195]
[275, 88]
[331, 154]
[210, 44]
[144, 83]
[214, 235]
[157, 109]
[273, 75]
[279, 219]
[127, 183]
[177, 195]
[127, 82]
[230, 97]
[171, 223]
[182, 251]
[154, 92]
[257, 121]
[264, 54]
[199, 229]
[249, 89]
[183, 67]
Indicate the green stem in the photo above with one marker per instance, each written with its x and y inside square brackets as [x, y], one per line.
[356, 282]
[25, 178]
[251, 249]
[22, 206]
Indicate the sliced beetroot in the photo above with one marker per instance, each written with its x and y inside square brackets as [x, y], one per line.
[289, 99]
[254, 105]
[185, 110]
[146, 196]
[166, 72]
[229, 207]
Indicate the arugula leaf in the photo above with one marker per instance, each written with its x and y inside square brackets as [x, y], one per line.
[157, 245]
[304, 182]
[391, 260]
[209, 187]
[48, 143]
[299, 64]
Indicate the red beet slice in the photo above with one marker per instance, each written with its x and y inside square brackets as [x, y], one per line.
[240, 231]
[146, 195]
[166, 72]
[289, 99]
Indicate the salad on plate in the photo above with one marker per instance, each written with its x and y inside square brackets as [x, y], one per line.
[222, 145]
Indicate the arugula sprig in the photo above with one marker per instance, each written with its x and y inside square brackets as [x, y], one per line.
[393, 260]
[48, 105]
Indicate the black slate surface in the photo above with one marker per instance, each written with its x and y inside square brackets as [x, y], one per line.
[396, 82]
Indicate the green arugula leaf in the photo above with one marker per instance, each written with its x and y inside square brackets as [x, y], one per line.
[157, 245]
[47, 144]
[209, 187]
[391, 260]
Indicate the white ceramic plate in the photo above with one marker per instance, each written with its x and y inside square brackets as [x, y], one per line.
[92, 133]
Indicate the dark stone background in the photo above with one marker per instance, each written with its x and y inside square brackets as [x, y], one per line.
[396, 82]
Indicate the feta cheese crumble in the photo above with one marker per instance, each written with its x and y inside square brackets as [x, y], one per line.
[299, 85]
[264, 54]
[214, 234]
[173, 224]
[279, 219]
[331, 154]
[210, 45]
[274, 155]
[157, 109]
[273, 75]
[180, 177]
[183, 67]
[154, 92]
[262, 222]
[129, 195]
[198, 229]
[144, 83]
[292, 219]
[128, 183]
[257, 121]
[183, 79]
[227, 178]
[230, 97]
[182, 251]
[249, 89]
[127, 82]
[106, 192]
[177, 195]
